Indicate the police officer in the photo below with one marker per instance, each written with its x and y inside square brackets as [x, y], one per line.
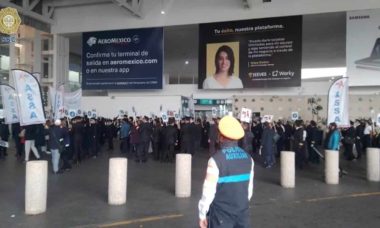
[228, 185]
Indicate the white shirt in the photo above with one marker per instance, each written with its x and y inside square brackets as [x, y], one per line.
[212, 83]
[367, 130]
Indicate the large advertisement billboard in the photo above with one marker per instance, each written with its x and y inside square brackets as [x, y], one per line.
[250, 53]
[363, 47]
[123, 59]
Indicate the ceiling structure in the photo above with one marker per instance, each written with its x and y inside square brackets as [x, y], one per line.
[324, 45]
[321, 32]
[43, 10]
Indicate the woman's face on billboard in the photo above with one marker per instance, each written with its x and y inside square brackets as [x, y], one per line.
[224, 62]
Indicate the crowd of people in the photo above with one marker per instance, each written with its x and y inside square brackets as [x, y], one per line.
[77, 139]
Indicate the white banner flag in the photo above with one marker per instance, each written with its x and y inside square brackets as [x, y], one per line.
[52, 97]
[338, 103]
[8, 95]
[58, 107]
[29, 98]
[73, 100]
[246, 115]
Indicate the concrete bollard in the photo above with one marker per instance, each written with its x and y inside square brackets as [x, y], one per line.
[288, 173]
[332, 167]
[373, 164]
[117, 181]
[183, 175]
[36, 187]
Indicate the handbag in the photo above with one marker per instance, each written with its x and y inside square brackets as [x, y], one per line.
[349, 140]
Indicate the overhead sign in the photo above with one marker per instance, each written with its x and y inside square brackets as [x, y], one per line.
[123, 59]
[250, 53]
[210, 101]
[363, 47]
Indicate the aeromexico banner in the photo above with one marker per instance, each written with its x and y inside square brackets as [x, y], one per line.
[8, 95]
[29, 98]
[338, 103]
[250, 53]
[123, 59]
[363, 47]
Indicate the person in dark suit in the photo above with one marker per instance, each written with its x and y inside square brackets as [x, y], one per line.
[212, 136]
[156, 138]
[145, 131]
[170, 138]
[312, 140]
[4, 135]
[187, 141]
[78, 132]
[30, 137]
[267, 145]
[16, 129]
[93, 132]
[198, 131]
[359, 132]
[349, 141]
[300, 135]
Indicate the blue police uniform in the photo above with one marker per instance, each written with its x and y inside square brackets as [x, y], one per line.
[230, 207]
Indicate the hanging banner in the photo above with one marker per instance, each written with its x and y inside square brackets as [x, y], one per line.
[29, 99]
[250, 53]
[338, 103]
[363, 47]
[123, 59]
[73, 100]
[8, 95]
[246, 115]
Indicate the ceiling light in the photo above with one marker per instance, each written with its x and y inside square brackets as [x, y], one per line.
[5, 78]
[186, 62]
[162, 12]
[18, 45]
